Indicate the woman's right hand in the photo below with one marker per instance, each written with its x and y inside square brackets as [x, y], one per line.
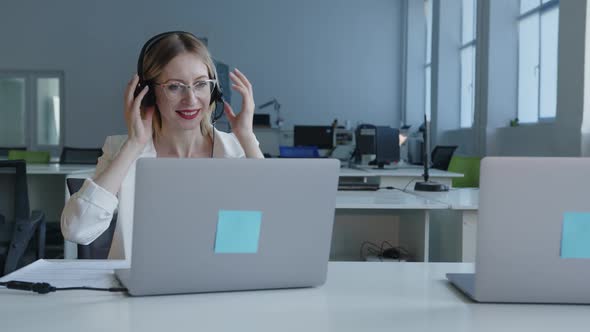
[139, 123]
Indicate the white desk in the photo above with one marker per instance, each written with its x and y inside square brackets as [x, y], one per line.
[385, 199]
[400, 177]
[58, 169]
[456, 198]
[442, 223]
[414, 229]
[357, 297]
[465, 203]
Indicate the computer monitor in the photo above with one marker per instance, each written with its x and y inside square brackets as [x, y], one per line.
[365, 141]
[320, 136]
[387, 146]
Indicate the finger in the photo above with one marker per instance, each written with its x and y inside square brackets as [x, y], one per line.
[242, 90]
[243, 79]
[137, 101]
[238, 80]
[235, 79]
[130, 89]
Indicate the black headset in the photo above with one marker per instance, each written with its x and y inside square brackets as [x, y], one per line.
[150, 98]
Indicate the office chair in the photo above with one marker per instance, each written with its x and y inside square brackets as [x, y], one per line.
[18, 225]
[79, 155]
[469, 167]
[99, 248]
[441, 156]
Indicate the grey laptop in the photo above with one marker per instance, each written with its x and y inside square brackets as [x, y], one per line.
[207, 225]
[533, 232]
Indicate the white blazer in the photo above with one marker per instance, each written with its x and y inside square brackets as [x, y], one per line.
[88, 213]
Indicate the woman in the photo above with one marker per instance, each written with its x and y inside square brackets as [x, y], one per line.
[177, 69]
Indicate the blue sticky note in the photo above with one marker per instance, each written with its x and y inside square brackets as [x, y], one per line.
[575, 235]
[238, 232]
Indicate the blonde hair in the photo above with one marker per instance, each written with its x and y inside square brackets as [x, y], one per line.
[161, 53]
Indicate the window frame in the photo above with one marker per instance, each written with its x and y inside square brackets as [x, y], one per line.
[468, 44]
[31, 112]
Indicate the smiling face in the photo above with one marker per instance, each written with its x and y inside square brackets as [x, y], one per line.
[182, 108]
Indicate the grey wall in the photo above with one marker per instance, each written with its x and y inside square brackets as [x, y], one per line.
[320, 59]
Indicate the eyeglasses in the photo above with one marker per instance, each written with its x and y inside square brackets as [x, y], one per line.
[176, 90]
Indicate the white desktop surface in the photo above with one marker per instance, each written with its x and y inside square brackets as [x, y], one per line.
[385, 199]
[456, 198]
[357, 297]
[65, 169]
[404, 170]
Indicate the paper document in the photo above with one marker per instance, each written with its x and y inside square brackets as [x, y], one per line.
[70, 273]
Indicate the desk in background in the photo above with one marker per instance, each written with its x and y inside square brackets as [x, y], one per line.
[401, 177]
[413, 211]
[48, 191]
[356, 297]
[439, 226]
[459, 220]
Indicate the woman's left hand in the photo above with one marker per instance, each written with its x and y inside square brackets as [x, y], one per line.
[241, 124]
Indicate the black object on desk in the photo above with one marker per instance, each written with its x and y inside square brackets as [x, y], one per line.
[427, 184]
[386, 146]
[262, 120]
[80, 155]
[320, 136]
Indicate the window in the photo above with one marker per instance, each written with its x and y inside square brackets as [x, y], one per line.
[31, 110]
[537, 60]
[427, 66]
[467, 54]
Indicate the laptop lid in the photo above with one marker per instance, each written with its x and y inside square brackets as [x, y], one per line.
[528, 208]
[203, 225]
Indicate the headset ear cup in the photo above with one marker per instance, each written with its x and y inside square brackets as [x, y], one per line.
[150, 97]
[216, 95]
[217, 98]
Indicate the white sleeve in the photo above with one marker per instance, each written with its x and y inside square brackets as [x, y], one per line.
[88, 213]
[235, 149]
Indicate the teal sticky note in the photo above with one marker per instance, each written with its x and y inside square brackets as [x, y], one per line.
[238, 232]
[575, 235]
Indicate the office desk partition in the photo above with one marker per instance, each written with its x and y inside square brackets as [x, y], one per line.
[356, 297]
[439, 226]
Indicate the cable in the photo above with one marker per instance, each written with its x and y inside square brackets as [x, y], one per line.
[376, 250]
[388, 187]
[44, 288]
[369, 250]
[213, 140]
[414, 178]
